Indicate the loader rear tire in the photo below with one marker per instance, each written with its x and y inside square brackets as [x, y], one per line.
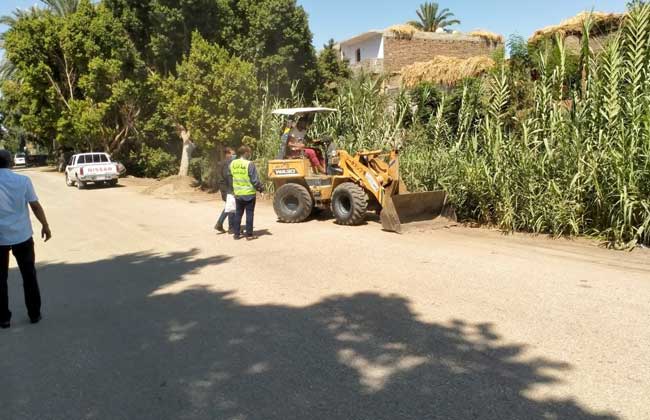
[349, 204]
[293, 203]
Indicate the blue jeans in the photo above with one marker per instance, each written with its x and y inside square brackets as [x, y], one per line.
[244, 204]
[222, 219]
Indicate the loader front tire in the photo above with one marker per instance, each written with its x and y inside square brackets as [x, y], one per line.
[293, 203]
[349, 204]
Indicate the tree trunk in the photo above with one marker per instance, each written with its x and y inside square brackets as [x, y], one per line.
[188, 149]
[219, 150]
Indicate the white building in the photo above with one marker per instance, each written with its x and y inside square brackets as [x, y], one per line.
[385, 51]
[366, 49]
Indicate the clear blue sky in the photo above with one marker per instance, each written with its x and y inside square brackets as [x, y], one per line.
[341, 19]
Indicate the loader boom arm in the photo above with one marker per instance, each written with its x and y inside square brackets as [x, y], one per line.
[378, 173]
[367, 169]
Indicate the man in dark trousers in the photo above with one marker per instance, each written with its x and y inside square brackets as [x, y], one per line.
[225, 187]
[245, 183]
[16, 194]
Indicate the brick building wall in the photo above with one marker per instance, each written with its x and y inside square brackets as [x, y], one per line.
[597, 43]
[399, 53]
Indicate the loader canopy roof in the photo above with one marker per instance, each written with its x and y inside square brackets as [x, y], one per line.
[302, 111]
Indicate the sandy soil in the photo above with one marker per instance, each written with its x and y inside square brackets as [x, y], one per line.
[151, 315]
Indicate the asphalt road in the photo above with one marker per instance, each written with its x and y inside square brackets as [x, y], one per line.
[148, 314]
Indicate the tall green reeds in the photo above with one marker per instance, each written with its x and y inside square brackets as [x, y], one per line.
[574, 160]
[578, 164]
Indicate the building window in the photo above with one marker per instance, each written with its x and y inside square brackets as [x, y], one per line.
[358, 55]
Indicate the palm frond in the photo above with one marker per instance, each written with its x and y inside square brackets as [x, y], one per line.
[448, 23]
[8, 70]
[432, 18]
[62, 7]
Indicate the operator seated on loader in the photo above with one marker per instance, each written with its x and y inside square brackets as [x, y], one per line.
[296, 146]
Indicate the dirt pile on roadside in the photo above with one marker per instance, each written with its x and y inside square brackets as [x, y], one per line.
[175, 187]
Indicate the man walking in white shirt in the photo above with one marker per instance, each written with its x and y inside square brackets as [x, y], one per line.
[16, 194]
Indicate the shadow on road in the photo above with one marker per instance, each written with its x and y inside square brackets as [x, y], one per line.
[113, 346]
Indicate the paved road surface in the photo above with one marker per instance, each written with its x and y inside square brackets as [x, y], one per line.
[150, 315]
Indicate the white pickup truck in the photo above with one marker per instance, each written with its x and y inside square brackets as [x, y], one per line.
[91, 167]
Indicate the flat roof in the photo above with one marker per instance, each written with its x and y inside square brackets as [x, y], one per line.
[364, 36]
[460, 36]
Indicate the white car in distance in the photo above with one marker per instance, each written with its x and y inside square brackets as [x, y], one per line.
[91, 167]
[20, 159]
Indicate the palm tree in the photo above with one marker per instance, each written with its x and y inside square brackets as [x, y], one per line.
[62, 7]
[12, 19]
[432, 19]
[7, 68]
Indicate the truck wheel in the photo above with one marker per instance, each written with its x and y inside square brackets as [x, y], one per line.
[292, 203]
[68, 181]
[80, 184]
[349, 204]
[112, 182]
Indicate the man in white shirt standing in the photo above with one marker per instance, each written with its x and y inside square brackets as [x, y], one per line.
[16, 194]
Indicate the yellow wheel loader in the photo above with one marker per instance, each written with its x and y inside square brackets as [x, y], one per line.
[352, 186]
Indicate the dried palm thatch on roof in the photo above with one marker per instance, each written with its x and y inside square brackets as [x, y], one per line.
[446, 70]
[403, 31]
[602, 23]
[407, 31]
[488, 36]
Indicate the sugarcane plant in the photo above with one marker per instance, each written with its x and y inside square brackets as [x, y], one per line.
[575, 161]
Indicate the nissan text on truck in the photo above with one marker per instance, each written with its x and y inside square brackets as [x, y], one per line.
[91, 167]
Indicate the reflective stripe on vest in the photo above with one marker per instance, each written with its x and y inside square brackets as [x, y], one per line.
[241, 182]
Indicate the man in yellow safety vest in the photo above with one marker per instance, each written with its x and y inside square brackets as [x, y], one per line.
[245, 184]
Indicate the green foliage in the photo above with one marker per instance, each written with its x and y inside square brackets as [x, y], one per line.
[8, 140]
[162, 30]
[362, 120]
[332, 73]
[551, 142]
[204, 169]
[564, 170]
[519, 52]
[269, 129]
[28, 100]
[431, 18]
[152, 162]
[213, 95]
[79, 78]
[426, 98]
[274, 35]
[550, 55]
[115, 75]
[62, 7]
[546, 150]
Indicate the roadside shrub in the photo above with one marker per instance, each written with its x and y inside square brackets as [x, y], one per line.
[152, 162]
[204, 170]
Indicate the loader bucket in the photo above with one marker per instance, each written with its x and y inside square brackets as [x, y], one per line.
[425, 209]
